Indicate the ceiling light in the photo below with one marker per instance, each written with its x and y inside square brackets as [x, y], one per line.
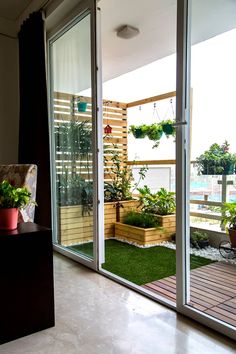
[127, 32]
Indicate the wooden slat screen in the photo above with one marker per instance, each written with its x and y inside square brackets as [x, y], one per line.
[114, 114]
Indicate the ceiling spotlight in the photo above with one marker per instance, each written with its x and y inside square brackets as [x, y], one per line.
[127, 32]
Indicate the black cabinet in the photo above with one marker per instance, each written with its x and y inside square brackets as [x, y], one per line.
[26, 281]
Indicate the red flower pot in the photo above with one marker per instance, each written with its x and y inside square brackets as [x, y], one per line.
[8, 218]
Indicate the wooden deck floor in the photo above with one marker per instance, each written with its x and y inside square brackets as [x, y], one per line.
[212, 290]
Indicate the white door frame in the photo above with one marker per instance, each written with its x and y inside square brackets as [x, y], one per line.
[84, 8]
[182, 175]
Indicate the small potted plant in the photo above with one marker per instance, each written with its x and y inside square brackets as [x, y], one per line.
[199, 239]
[11, 200]
[217, 160]
[229, 220]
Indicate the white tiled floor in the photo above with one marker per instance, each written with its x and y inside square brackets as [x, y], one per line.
[94, 315]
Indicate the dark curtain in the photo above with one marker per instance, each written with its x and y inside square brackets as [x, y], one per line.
[33, 127]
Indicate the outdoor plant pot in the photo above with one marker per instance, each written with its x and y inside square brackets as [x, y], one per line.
[82, 106]
[232, 236]
[203, 243]
[8, 218]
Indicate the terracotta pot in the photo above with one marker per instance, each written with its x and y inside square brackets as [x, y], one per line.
[8, 218]
[232, 236]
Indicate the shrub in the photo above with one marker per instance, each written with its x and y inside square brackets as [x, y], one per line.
[161, 202]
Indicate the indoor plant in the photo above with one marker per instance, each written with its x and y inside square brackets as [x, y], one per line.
[217, 160]
[11, 200]
[229, 220]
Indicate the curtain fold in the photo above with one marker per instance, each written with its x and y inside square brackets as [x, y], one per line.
[33, 125]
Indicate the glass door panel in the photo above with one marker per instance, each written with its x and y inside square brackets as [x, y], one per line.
[73, 130]
[207, 284]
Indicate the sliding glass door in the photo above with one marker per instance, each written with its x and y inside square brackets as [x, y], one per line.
[74, 130]
[206, 162]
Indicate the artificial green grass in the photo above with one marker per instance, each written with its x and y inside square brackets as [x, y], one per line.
[139, 265]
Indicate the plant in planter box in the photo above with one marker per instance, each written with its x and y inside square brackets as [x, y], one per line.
[11, 200]
[143, 220]
[120, 187]
[217, 160]
[161, 202]
[199, 239]
[229, 220]
[75, 190]
[140, 228]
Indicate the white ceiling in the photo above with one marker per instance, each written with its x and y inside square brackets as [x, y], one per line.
[156, 20]
[12, 9]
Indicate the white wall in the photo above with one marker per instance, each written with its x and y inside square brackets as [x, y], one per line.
[9, 98]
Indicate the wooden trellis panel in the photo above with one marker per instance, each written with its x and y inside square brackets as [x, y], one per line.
[114, 114]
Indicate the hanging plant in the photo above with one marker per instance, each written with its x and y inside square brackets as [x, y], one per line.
[139, 132]
[167, 127]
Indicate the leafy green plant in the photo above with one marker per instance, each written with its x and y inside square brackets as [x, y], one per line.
[161, 202]
[141, 220]
[74, 144]
[199, 239]
[153, 131]
[13, 197]
[217, 160]
[74, 190]
[228, 218]
[121, 177]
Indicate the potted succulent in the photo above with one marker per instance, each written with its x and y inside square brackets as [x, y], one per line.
[140, 228]
[229, 220]
[217, 160]
[11, 200]
[162, 204]
[199, 239]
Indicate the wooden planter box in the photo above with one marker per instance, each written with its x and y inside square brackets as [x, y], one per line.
[168, 222]
[140, 236]
[110, 215]
[73, 227]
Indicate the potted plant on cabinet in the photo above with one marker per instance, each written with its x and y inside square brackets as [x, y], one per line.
[229, 220]
[11, 200]
[217, 160]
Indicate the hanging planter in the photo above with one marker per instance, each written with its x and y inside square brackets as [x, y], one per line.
[81, 105]
[167, 127]
[139, 132]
